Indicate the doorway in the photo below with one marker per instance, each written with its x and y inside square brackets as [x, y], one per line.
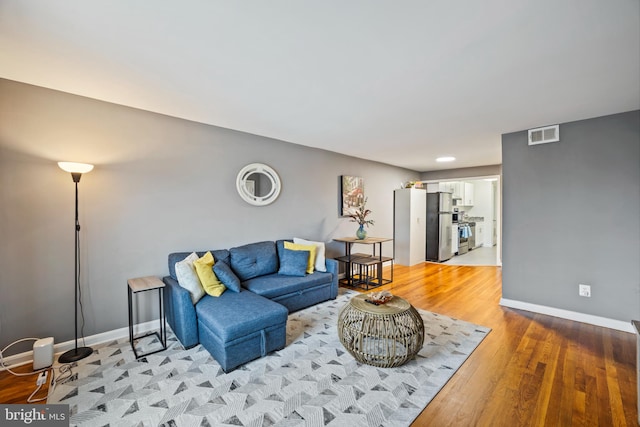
[479, 197]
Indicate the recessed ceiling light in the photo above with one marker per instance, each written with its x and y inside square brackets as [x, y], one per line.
[445, 159]
[491, 179]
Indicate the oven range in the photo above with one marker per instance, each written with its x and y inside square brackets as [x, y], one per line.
[466, 237]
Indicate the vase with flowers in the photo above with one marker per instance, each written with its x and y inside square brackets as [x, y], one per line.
[360, 216]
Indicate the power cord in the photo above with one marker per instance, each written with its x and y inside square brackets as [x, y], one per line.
[8, 369]
[42, 378]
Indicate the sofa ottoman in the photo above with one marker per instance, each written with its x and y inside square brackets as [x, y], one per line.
[237, 327]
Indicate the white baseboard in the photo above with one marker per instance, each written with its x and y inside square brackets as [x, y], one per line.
[93, 340]
[569, 315]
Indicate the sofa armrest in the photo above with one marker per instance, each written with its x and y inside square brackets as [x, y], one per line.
[180, 312]
[332, 267]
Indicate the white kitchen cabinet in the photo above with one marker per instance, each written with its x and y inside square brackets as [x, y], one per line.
[433, 187]
[410, 226]
[457, 188]
[462, 191]
[445, 187]
[467, 194]
[448, 187]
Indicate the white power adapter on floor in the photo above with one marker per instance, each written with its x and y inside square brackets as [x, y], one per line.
[43, 353]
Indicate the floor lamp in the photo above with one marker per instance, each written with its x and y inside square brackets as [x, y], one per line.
[77, 353]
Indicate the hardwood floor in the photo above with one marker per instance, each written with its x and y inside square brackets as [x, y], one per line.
[531, 370]
[18, 389]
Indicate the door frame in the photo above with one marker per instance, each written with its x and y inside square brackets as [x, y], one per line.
[497, 202]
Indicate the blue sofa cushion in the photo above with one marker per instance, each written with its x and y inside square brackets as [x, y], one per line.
[293, 263]
[219, 255]
[253, 260]
[280, 246]
[275, 285]
[236, 314]
[226, 276]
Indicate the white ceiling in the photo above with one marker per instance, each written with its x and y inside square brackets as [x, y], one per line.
[400, 82]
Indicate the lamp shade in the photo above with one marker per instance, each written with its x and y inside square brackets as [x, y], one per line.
[72, 167]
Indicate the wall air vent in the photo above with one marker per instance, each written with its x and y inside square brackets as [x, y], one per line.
[544, 135]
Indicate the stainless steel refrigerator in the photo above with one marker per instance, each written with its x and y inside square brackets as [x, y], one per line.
[439, 226]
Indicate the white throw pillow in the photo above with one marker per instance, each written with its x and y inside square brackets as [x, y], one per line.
[320, 261]
[188, 278]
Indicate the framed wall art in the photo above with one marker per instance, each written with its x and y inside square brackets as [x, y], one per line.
[351, 194]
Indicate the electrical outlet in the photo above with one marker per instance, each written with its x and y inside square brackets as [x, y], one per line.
[584, 290]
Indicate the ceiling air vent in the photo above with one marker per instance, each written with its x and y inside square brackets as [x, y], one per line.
[544, 135]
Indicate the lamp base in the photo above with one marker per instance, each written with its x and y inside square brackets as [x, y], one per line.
[75, 354]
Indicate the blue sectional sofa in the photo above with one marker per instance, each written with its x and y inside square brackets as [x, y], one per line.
[237, 327]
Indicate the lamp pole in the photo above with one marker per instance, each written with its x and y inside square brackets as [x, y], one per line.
[76, 353]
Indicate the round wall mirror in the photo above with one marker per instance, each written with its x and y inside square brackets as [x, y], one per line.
[258, 184]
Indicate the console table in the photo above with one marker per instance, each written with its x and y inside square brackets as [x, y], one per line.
[364, 270]
[144, 284]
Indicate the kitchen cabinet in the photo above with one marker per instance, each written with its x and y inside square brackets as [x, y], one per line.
[445, 187]
[467, 194]
[433, 187]
[462, 191]
[410, 226]
[457, 189]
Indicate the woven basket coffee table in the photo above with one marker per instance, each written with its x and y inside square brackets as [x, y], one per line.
[384, 335]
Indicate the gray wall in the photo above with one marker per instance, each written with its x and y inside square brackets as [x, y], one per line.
[160, 184]
[571, 215]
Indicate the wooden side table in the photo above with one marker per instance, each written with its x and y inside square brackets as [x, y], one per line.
[384, 335]
[143, 284]
[368, 268]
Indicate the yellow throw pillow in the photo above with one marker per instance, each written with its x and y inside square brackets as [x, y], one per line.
[310, 248]
[204, 269]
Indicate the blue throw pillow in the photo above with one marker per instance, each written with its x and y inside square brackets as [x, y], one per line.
[293, 263]
[227, 276]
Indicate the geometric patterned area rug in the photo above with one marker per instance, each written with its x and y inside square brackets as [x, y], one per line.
[312, 382]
